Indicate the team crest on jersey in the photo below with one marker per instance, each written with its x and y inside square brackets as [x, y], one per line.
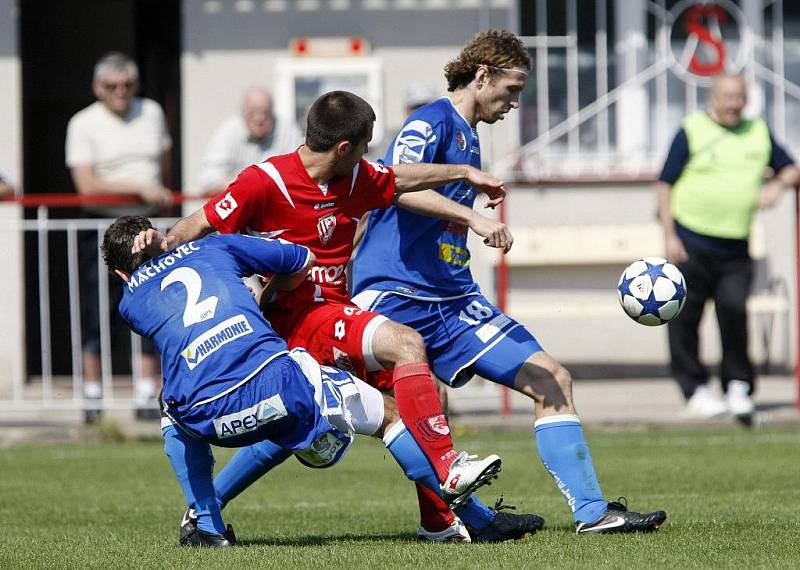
[461, 140]
[225, 206]
[325, 226]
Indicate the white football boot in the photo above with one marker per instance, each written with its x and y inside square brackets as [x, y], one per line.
[456, 532]
[739, 402]
[467, 475]
[705, 404]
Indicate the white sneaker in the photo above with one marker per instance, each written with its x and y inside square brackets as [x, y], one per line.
[705, 404]
[456, 532]
[738, 399]
[466, 475]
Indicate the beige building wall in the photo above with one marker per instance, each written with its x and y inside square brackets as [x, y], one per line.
[10, 93]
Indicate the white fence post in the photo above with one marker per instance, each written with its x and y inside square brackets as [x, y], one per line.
[12, 309]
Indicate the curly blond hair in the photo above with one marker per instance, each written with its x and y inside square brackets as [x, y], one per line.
[494, 48]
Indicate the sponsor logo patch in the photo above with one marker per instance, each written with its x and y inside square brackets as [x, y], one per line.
[324, 205]
[338, 329]
[212, 340]
[226, 206]
[461, 140]
[453, 254]
[250, 419]
[411, 142]
[327, 274]
[325, 226]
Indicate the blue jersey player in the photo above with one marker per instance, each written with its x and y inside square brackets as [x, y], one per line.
[415, 270]
[230, 381]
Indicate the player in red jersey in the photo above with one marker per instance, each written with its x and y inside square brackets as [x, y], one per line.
[315, 197]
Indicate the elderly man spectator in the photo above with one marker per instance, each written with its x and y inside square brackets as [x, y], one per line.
[245, 139]
[117, 145]
[708, 191]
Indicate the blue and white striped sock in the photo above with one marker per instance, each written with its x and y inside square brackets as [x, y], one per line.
[566, 456]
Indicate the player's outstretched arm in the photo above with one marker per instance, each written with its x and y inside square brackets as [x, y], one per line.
[431, 203]
[189, 228]
[186, 229]
[422, 176]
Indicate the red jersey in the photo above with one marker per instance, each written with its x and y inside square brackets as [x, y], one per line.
[278, 198]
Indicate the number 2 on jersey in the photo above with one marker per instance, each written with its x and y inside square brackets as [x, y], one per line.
[194, 312]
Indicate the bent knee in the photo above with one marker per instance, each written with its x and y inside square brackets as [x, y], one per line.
[405, 345]
[411, 341]
[391, 416]
[562, 377]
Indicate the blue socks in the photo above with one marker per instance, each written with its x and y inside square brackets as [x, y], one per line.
[245, 467]
[475, 513]
[415, 465]
[193, 465]
[566, 456]
[409, 456]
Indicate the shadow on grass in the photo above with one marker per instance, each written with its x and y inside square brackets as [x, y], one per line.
[317, 540]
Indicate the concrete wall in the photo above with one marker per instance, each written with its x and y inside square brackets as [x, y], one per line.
[12, 345]
[227, 49]
[10, 94]
[609, 336]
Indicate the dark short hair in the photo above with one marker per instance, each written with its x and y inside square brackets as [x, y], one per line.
[338, 116]
[118, 240]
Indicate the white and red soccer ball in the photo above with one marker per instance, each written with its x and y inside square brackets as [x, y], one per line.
[652, 291]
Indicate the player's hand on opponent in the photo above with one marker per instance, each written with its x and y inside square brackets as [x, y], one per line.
[153, 242]
[488, 184]
[495, 234]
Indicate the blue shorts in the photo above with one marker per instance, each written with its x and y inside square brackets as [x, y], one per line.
[463, 336]
[278, 403]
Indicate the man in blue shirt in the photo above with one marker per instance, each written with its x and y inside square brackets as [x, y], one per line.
[415, 270]
[229, 379]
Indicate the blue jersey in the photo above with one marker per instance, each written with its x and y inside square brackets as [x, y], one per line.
[192, 303]
[412, 254]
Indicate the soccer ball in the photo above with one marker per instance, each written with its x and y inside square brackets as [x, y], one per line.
[652, 291]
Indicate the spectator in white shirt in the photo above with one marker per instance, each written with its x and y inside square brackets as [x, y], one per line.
[117, 145]
[245, 139]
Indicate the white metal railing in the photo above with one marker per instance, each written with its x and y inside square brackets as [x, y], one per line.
[62, 388]
[648, 64]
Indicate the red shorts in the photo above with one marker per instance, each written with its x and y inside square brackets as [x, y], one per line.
[336, 334]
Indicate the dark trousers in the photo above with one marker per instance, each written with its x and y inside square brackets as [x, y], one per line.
[727, 280]
[89, 290]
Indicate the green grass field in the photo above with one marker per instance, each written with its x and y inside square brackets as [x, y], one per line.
[732, 498]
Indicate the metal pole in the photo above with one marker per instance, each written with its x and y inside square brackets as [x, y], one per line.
[573, 101]
[601, 73]
[502, 303]
[797, 291]
[778, 91]
[662, 85]
[105, 326]
[74, 312]
[44, 303]
[542, 87]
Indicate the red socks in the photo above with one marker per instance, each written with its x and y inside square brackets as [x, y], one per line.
[421, 412]
[434, 515]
